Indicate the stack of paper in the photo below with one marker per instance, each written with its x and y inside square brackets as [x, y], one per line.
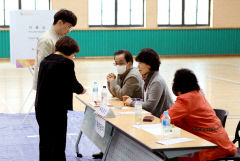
[155, 129]
[174, 141]
[131, 112]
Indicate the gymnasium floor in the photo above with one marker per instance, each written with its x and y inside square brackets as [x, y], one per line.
[218, 76]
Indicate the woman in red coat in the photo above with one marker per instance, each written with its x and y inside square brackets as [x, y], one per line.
[193, 113]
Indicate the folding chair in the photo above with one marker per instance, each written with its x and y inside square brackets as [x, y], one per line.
[222, 115]
[236, 139]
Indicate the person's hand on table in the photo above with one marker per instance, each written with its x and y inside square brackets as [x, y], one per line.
[124, 98]
[128, 101]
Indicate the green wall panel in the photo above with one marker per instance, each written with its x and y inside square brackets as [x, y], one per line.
[4, 44]
[165, 42]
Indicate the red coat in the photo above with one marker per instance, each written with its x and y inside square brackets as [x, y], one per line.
[190, 111]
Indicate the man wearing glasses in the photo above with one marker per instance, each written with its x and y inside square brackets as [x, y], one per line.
[128, 81]
[64, 20]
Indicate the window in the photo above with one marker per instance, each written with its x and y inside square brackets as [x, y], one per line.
[183, 12]
[8, 5]
[115, 13]
[1, 13]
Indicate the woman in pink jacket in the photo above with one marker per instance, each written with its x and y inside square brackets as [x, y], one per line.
[193, 113]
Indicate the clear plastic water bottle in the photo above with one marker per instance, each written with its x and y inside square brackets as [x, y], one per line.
[166, 125]
[104, 96]
[138, 111]
[95, 91]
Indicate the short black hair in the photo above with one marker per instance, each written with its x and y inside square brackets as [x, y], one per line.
[67, 46]
[149, 57]
[65, 16]
[127, 55]
[184, 81]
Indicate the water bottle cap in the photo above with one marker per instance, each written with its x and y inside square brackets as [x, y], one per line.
[104, 86]
[138, 99]
[165, 112]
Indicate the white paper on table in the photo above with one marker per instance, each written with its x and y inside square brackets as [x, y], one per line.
[126, 108]
[122, 107]
[94, 104]
[174, 141]
[97, 104]
[131, 112]
[114, 98]
[155, 129]
[100, 125]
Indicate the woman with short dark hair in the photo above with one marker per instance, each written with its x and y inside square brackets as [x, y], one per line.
[66, 46]
[184, 81]
[149, 57]
[55, 87]
[193, 113]
[157, 97]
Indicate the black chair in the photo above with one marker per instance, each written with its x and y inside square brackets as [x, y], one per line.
[222, 115]
[236, 139]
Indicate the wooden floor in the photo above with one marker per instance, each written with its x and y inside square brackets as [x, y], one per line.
[218, 76]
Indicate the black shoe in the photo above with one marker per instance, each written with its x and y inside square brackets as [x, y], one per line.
[79, 155]
[98, 156]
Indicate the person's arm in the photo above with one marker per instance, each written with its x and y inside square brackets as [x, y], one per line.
[128, 88]
[77, 87]
[109, 89]
[111, 77]
[179, 110]
[154, 93]
[44, 48]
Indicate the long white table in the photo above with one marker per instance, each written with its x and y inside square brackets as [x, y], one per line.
[123, 142]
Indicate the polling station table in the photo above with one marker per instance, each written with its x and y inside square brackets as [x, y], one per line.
[123, 142]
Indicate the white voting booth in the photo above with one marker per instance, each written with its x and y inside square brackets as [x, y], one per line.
[25, 28]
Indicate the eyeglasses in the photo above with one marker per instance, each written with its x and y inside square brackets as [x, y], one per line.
[69, 27]
[115, 64]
